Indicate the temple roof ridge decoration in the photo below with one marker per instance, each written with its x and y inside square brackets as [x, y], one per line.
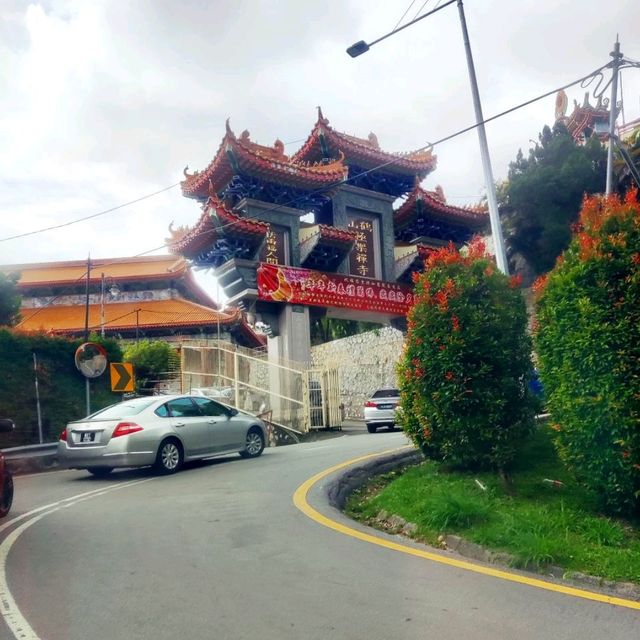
[240, 155]
[366, 151]
[584, 117]
[215, 221]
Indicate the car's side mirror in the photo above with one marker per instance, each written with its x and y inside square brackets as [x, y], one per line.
[233, 412]
[6, 425]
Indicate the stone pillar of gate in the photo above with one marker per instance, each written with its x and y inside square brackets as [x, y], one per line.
[291, 344]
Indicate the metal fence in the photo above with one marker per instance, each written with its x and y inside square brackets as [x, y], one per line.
[297, 397]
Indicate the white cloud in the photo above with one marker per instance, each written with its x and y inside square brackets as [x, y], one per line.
[108, 101]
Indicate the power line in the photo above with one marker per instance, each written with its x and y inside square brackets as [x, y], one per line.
[93, 215]
[404, 14]
[419, 11]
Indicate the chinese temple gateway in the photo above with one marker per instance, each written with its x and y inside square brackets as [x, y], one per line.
[356, 257]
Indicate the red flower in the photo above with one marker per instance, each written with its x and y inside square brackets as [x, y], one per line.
[626, 454]
[442, 300]
[515, 281]
[455, 323]
[448, 375]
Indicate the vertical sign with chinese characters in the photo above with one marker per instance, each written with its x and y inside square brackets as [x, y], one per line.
[274, 250]
[362, 257]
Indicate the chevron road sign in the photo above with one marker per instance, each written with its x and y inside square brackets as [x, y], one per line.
[122, 378]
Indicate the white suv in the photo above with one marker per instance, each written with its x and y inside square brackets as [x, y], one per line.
[380, 409]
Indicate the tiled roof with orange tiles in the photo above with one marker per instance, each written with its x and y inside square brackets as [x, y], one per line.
[122, 316]
[148, 268]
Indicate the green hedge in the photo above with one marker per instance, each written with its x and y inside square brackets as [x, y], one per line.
[61, 386]
[588, 340]
[464, 373]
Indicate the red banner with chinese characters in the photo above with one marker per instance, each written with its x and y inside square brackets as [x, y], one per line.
[304, 286]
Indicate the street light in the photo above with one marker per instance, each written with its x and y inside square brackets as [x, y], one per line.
[496, 231]
[114, 292]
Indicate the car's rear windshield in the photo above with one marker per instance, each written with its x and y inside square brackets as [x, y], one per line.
[386, 393]
[123, 409]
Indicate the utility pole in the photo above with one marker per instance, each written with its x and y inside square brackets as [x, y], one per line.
[613, 112]
[86, 304]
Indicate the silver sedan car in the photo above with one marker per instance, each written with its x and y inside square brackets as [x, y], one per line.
[162, 431]
[380, 409]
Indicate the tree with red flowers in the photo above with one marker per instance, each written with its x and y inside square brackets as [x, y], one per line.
[587, 335]
[464, 372]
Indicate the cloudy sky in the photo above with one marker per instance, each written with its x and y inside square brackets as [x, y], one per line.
[105, 101]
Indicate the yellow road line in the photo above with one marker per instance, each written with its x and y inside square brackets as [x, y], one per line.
[300, 501]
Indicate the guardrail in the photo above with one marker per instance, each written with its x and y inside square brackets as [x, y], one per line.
[29, 450]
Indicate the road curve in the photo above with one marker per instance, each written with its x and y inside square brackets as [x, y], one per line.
[220, 551]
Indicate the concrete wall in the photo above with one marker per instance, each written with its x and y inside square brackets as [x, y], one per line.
[366, 362]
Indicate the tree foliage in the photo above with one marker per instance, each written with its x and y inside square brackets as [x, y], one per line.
[61, 385]
[543, 194]
[588, 341]
[9, 299]
[464, 371]
[154, 360]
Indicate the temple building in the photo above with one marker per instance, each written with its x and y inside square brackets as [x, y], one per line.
[295, 237]
[150, 297]
[585, 120]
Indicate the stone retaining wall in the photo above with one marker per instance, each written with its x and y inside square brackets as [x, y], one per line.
[366, 362]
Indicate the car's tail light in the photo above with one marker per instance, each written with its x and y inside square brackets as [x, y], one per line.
[369, 403]
[125, 429]
[63, 435]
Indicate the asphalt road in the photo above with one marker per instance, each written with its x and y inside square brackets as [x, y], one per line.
[220, 551]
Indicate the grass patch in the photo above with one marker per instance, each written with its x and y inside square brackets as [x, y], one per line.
[540, 523]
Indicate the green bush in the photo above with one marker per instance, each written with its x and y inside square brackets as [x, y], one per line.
[464, 373]
[61, 385]
[588, 339]
[154, 360]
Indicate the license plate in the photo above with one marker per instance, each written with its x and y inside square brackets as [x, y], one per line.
[386, 406]
[87, 437]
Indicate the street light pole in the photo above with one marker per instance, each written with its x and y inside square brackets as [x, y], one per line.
[496, 230]
[494, 216]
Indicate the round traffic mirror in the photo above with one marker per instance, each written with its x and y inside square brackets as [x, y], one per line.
[91, 359]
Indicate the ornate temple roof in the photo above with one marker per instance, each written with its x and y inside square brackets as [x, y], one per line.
[323, 246]
[240, 155]
[215, 222]
[131, 272]
[432, 204]
[127, 317]
[325, 142]
[47, 274]
[585, 118]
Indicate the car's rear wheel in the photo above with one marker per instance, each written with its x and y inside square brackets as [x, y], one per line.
[100, 472]
[254, 444]
[170, 457]
[371, 428]
[6, 500]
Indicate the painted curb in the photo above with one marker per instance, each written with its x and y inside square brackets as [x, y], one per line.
[340, 488]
